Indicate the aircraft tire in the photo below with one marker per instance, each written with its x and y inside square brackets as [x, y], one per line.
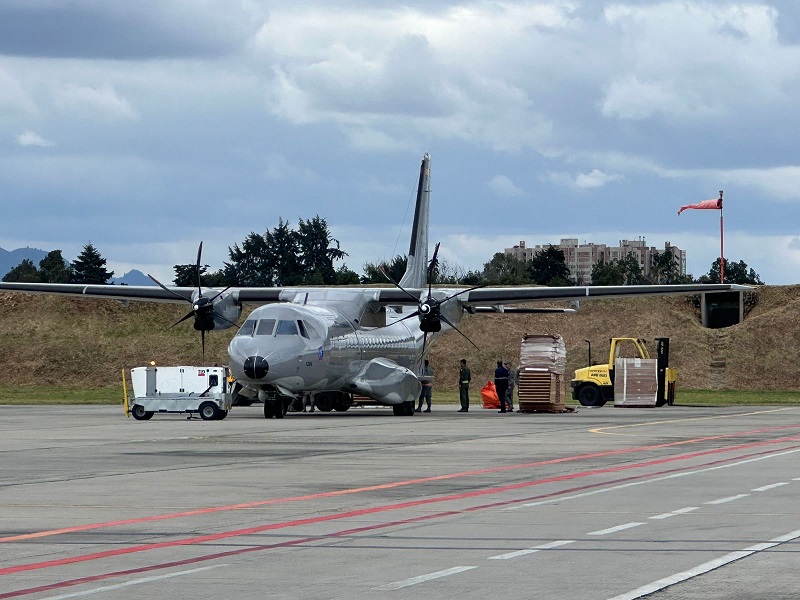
[590, 395]
[278, 410]
[269, 409]
[140, 414]
[341, 407]
[209, 411]
[398, 410]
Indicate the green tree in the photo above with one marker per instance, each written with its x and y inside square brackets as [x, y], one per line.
[24, 272]
[549, 267]
[633, 270]
[504, 269]
[666, 270]
[608, 273]
[186, 276]
[90, 267]
[282, 255]
[735, 272]
[317, 251]
[248, 266]
[373, 273]
[54, 269]
[345, 276]
[473, 278]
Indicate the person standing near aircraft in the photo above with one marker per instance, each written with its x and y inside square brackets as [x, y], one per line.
[501, 384]
[464, 377]
[426, 377]
[512, 382]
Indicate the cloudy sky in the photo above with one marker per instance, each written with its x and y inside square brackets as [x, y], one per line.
[145, 127]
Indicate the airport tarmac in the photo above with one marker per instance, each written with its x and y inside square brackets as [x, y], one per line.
[609, 503]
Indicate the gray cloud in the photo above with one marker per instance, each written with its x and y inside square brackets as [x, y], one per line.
[144, 29]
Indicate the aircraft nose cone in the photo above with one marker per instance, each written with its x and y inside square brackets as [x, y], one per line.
[256, 367]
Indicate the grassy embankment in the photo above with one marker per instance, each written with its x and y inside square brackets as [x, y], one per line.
[113, 395]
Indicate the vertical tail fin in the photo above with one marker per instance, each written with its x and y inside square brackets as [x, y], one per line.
[416, 275]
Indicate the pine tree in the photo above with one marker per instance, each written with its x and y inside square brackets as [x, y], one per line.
[54, 269]
[24, 272]
[90, 267]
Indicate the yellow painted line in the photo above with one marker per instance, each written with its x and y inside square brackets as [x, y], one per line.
[666, 421]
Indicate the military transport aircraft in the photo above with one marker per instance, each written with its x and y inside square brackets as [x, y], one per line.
[336, 342]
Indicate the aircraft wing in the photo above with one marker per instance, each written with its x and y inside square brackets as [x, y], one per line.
[501, 295]
[473, 297]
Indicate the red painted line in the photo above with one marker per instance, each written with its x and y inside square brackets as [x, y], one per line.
[383, 486]
[364, 529]
[373, 510]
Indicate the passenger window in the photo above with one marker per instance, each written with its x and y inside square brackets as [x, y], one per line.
[247, 327]
[265, 327]
[286, 328]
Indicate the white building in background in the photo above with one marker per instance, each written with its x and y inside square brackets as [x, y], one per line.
[581, 258]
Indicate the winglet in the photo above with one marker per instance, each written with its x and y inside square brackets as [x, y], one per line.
[416, 275]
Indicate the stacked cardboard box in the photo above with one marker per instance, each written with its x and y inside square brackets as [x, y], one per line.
[542, 385]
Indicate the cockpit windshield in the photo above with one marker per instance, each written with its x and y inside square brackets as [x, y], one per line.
[286, 328]
[273, 327]
[247, 327]
[265, 327]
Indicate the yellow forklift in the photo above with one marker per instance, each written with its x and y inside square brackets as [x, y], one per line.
[594, 385]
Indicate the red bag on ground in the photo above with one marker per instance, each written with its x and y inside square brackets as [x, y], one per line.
[489, 396]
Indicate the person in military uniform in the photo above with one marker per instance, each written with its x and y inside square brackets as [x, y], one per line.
[464, 377]
[501, 384]
[426, 375]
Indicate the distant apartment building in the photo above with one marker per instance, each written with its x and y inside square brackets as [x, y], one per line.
[581, 258]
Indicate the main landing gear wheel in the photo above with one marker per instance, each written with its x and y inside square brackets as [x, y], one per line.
[405, 409]
[590, 395]
[140, 414]
[209, 411]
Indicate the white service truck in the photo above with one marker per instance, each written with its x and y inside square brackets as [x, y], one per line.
[194, 390]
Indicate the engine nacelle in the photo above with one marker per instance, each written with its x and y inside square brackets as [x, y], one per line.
[215, 310]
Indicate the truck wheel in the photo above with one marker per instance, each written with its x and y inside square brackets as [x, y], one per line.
[222, 414]
[209, 411]
[140, 414]
[589, 395]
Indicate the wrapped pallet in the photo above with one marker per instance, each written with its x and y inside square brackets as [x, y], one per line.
[542, 385]
[635, 382]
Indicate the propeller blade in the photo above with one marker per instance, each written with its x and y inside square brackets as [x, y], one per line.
[424, 344]
[219, 316]
[462, 292]
[199, 283]
[203, 340]
[397, 285]
[166, 289]
[220, 293]
[189, 315]
[432, 267]
[459, 331]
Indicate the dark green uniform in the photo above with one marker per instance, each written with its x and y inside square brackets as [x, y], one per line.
[464, 377]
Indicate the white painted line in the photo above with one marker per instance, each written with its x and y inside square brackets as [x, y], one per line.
[764, 488]
[648, 481]
[728, 499]
[118, 586]
[615, 529]
[796, 479]
[423, 578]
[680, 511]
[705, 567]
[531, 550]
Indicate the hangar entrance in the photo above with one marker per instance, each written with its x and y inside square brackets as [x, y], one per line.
[721, 309]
